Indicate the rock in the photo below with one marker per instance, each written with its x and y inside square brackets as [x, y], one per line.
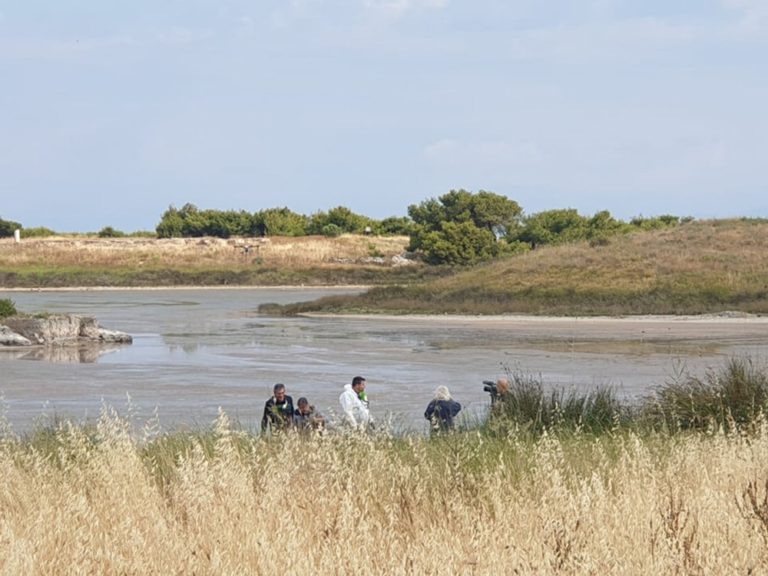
[51, 329]
[89, 328]
[401, 261]
[9, 338]
[113, 336]
[62, 329]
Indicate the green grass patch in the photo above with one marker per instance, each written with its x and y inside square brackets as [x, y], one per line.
[7, 308]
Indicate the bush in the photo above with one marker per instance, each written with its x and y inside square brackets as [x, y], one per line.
[528, 406]
[109, 232]
[8, 227]
[7, 308]
[340, 216]
[38, 232]
[735, 396]
[279, 222]
[461, 227]
[461, 244]
[331, 231]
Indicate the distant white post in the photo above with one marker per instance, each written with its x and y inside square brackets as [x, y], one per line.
[17, 235]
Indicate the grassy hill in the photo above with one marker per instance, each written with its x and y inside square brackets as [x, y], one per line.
[697, 267]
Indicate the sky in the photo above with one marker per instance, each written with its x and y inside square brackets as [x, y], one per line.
[110, 112]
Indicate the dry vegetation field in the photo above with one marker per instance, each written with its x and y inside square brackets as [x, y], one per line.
[301, 252]
[99, 501]
[88, 261]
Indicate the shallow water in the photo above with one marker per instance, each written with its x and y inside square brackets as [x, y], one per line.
[197, 350]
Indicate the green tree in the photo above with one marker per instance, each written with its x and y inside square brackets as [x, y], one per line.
[331, 230]
[553, 227]
[190, 221]
[394, 226]
[110, 232]
[279, 222]
[473, 222]
[603, 225]
[655, 223]
[340, 216]
[171, 223]
[8, 227]
[459, 243]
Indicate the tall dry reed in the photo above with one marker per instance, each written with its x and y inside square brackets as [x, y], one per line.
[101, 501]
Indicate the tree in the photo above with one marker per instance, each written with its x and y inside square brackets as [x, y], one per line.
[553, 227]
[110, 232]
[340, 216]
[459, 243]
[655, 223]
[191, 221]
[394, 225]
[603, 225]
[438, 224]
[171, 223]
[280, 222]
[8, 227]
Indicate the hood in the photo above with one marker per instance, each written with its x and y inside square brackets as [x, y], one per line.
[348, 387]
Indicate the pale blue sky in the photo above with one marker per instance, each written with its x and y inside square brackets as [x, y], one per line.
[112, 110]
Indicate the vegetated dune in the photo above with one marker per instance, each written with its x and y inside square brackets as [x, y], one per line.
[694, 268]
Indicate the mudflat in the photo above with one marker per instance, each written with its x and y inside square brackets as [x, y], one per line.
[705, 327]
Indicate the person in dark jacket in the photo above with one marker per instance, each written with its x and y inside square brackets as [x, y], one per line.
[278, 410]
[442, 410]
[306, 418]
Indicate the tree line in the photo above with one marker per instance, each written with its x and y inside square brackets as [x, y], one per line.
[457, 228]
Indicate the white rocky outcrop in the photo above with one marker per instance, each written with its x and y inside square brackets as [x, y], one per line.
[57, 329]
[9, 338]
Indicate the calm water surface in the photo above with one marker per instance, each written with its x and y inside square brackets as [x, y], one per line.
[197, 350]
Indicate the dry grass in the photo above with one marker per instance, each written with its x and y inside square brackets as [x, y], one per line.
[730, 253]
[104, 503]
[194, 253]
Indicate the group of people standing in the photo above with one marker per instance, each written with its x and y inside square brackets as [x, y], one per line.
[280, 414]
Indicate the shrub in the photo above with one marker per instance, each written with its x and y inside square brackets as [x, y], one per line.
[331, 230]
[279, 222]
[395, 225]
[461, 227]
[528, 406]
[38, 232]
[7, 308]
[109, 232]
[736, 395]
[340, 216]
[8, 227]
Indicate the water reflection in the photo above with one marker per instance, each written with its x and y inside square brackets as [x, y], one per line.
[69, 354]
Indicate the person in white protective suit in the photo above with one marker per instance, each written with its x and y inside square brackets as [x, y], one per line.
[354, 411]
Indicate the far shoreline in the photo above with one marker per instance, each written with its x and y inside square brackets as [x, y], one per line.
[490, 320]
[187, 287]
